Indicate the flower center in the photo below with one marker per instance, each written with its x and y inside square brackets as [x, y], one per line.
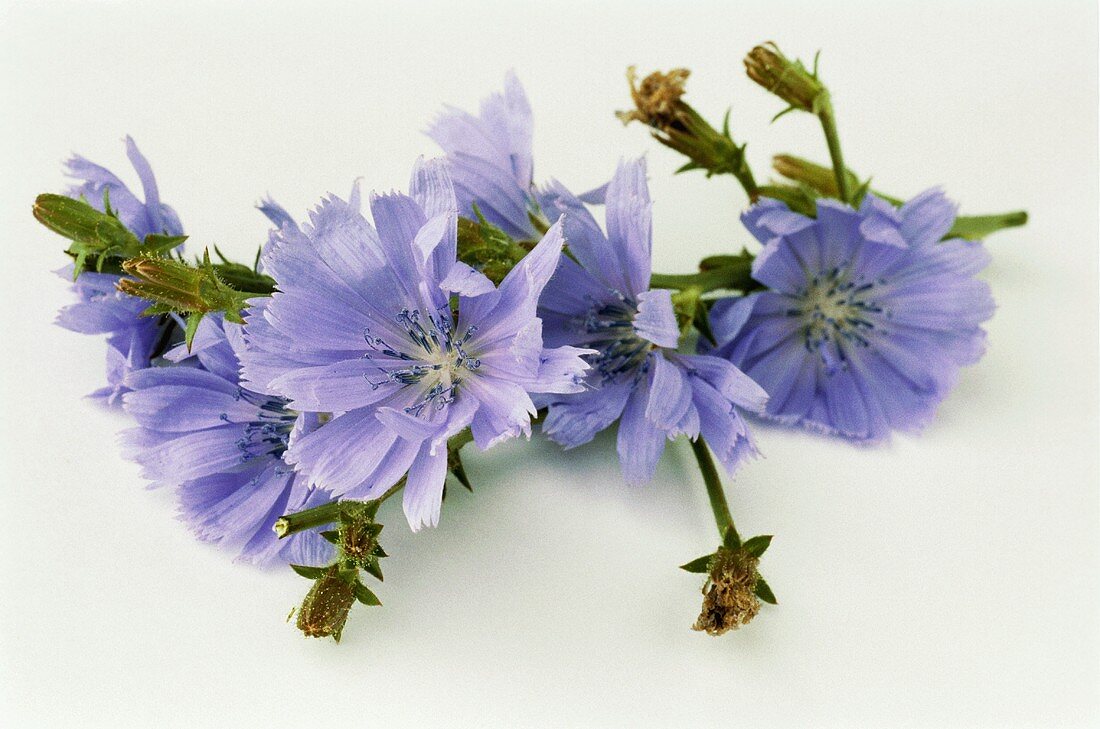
[268, 435]
[609, 329]
[835, 309]
[436, 357]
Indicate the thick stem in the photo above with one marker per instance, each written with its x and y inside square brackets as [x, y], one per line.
[828, 125]
[722, 517]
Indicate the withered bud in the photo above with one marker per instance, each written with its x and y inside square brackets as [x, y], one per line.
[325, 608]
[787, 79]
[657, 100]
[729, 594]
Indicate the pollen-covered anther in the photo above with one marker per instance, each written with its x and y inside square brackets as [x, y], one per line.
[729, 594]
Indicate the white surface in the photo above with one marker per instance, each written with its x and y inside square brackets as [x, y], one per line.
[944, 580]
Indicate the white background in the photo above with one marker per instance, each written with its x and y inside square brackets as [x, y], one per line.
[944, 580]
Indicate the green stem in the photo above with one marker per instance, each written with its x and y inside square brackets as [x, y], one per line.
[308, 519]
[828, 125]
[327, 513]
[736, 276]
[722, 517]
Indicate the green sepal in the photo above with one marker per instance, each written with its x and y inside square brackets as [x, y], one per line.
[374, 569]
[700, 565]
[487, 248]
[378, 551]
[157, 245]
[688, 167]
[702, 323]
[364, 595]
[191, 329]
[976, 227]
[764, 592]
[731, 540]
[757, 545]
[373, 528]
[311, 573]
[331, 536]
[370, 509]
[458, 470]
[861, 192]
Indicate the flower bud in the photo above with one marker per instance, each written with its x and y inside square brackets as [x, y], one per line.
[165, 281]
[789, 80]
[325, 608]
[729, 594]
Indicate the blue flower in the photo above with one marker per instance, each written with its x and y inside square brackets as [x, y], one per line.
[602, 301]
[221, 446]
[132, 340]
[867, 316]
[381, 326]
[490, 156]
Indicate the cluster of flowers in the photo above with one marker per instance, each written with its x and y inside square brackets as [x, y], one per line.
[360, 354]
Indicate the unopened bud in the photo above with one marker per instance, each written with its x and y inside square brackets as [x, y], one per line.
[787, 79]
[325, 608]
[729, 594]
[165, 281]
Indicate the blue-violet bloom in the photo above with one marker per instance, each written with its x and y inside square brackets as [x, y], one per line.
[867, 317]
[101, 309]
[406, 346]
[491, 161]
[221, 446]
[602, 301]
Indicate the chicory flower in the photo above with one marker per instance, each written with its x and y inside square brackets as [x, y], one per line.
[383, 327]
[867, 317]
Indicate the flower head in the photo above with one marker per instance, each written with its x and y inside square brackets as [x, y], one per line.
[221, 446]
[729, 594]
[491, 161]
[381, 325]
[602, 301]
[657, 100]
[132, 340]
[867, 318]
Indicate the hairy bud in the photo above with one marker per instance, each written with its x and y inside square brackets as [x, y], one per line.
[325, 608]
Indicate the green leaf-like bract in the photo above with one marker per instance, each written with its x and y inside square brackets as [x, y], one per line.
[700, 565]
[764, 592]
[757, 545]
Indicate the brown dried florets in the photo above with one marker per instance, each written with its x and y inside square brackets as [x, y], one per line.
[657, 99]
[729, 594]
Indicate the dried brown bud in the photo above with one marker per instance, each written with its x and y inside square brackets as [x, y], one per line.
[787, 79]
[657, 100]
[325, 608]
[729, 594]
